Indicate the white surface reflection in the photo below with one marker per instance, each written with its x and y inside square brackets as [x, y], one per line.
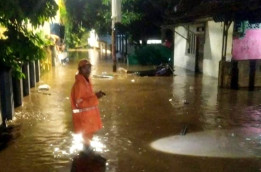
[97, 145]
[77, 143]
[213, 143]
[76, 146]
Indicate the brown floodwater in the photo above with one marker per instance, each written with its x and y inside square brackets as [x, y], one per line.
[143, 119]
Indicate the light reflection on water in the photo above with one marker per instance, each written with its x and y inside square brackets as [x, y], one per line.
[236, 143]
[135, 112]
[69, 148]
[97, 145]
[75, 144]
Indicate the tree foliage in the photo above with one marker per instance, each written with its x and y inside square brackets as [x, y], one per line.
[19, 17]
[141, 19]
[150, 20]
[84, 15]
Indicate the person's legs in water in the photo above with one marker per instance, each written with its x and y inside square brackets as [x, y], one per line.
[87, 137]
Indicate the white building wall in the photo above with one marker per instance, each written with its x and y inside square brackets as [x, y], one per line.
[181, 57]
[213, 47]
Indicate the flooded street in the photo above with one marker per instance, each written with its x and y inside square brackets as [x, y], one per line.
[151, 124]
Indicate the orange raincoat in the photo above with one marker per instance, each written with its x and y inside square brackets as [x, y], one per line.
[86, 119]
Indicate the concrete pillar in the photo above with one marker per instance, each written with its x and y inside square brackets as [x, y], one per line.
[37, 71]
[100, 50]
[234, 75]
[103, 47]
[53, 55]
[224, 78]
[220, 74]
[18, 91]
[113, 41]
[110, 47]
[6, 90]
[106, 54]
[252, 74]
[32, 74]
[26, 79]
[116, 43]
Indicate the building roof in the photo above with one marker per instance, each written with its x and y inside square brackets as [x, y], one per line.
[219, 10]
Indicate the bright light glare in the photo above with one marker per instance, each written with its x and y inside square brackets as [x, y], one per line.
[212, 143]
[152, 41]
[77, 143]
[62, 56]
[97, 145]
[108, 51]
[93, 39]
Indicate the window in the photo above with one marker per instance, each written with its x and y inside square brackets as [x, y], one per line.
[191, 42]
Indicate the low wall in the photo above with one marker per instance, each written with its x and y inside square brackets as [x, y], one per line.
[240, 74]
[13, 90]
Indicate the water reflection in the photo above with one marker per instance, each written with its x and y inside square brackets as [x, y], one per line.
[6, 136]
[97, 145]
[88, 163]
[236, 143]
[135, 112]
[87, 159]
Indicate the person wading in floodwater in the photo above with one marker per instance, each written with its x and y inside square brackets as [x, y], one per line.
[84, 102]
